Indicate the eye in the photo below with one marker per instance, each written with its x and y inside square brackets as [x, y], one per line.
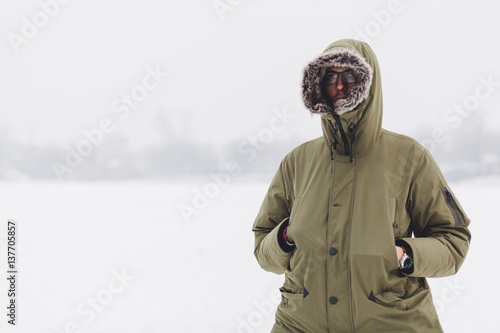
[331, 78]
[350, 77]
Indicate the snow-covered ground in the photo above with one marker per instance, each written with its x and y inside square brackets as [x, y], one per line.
[120, 257]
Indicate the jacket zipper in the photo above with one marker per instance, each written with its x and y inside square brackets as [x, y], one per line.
[342, 134]
[451, 205]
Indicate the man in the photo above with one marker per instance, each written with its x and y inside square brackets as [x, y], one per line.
[339, 216]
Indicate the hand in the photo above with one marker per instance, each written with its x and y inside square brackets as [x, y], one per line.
[286, 237]
[399, 252]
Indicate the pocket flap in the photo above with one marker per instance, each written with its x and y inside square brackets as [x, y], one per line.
[388, 297]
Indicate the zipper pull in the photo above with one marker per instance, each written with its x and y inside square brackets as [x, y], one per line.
[351, 127]
[453, 207]
[448, 194]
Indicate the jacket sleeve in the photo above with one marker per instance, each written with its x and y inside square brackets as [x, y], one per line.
[271, 251]
[439, 223]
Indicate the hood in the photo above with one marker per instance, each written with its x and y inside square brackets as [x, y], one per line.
[352, 125]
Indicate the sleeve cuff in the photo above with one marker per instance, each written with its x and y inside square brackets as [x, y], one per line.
[402, 243]
[281, 240]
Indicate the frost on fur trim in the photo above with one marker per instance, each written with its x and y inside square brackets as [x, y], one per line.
[313, 94]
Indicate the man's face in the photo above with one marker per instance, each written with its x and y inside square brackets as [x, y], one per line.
[337, 85]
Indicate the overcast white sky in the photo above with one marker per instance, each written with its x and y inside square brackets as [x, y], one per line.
[227, 75]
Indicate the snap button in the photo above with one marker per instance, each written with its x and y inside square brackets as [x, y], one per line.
[333, 251]
[333, 300]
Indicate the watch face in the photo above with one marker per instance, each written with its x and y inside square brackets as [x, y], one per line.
[408, 262]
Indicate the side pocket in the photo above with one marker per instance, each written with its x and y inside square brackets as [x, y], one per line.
[296, 312]
[290, 302]
[456, 210]
[415, 290]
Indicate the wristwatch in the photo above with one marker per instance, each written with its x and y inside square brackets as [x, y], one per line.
[406, 261]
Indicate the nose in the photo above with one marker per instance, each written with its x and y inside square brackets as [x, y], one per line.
[340, 83]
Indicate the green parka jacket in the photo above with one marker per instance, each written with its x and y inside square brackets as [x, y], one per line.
[348, 198]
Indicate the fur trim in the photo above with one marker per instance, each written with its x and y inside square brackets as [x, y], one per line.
[313, 94]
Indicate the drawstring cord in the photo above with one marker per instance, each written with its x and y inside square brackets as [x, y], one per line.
[347, 145]
[351, 142]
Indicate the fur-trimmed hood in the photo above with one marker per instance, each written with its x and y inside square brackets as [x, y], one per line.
[359, 113]
[314, 95]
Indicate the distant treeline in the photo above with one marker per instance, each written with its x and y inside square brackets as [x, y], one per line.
[468, 151]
